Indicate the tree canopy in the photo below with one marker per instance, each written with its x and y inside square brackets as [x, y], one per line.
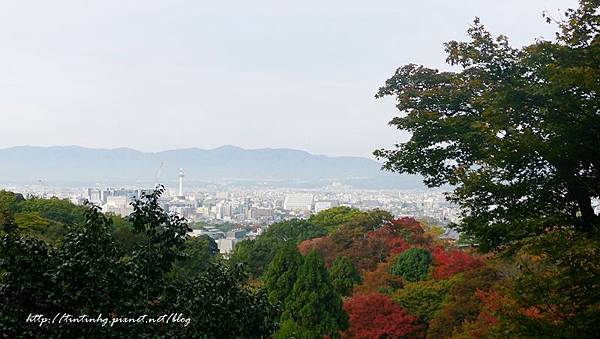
[282, 273]
[257, 254]
[344, 276]
[313, 309]
[377, 316]
[516, 131]
[333, 217]
[198, 254]
[90, 274]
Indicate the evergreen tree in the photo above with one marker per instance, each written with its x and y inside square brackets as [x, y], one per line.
[282, 273]
[313, 310]
[412, 265]
[343, 276]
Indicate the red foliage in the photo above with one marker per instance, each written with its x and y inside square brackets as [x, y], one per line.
[397, 245]
[392, 238]
[532, 312]
[367, 250]
[324, 246]
[364, 252]
[377, 316]
[416, 232]
[449, 263]
[492, 300]
[311, 244]
[495, 302]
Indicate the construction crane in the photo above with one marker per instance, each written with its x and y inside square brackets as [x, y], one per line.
[158, 173]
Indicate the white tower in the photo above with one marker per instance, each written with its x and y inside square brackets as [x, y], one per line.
[181, 182]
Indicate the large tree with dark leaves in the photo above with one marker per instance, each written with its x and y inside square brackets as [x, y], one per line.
[515, 131]
[88, 274]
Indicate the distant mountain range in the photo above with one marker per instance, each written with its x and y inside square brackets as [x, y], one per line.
[227, 164]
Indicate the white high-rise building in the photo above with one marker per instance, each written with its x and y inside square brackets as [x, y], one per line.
[299, 202]
[323, 205]
[118, 205]
[181, 182]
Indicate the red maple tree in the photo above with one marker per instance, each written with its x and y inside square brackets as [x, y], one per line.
[391, 237]
[377, 316]
[449, 263]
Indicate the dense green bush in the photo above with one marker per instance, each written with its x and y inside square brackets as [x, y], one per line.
[413, 264]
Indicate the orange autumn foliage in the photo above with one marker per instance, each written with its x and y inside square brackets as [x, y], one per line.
[378, 281]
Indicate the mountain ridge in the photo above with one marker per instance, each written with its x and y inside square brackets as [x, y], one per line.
[83, 164]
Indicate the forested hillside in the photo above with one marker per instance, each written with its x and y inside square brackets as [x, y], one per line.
[341, 273]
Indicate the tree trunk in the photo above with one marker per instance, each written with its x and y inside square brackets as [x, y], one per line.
[588, 216]
[580, 194]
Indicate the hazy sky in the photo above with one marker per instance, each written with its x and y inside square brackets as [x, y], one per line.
[156, 75]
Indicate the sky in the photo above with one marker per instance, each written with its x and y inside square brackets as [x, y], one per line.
[159, 75]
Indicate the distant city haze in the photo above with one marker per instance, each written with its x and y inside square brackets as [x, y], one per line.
[160, 75]
[230, 165]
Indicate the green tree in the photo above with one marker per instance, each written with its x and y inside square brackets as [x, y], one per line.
[294, 230]
[314, 309]
[31, 223]
[516, 131]
[282, 273]
[555, 281]
[43, 219]
[125, 236]
[25, 280]
[424, 298]
[370, 220]
[221, 304]
[9, 205]
[60, 210]
[48, 219]
[252, 255]
[257, 254]
[344, 276]
[165, 236]
[199, 253]
[462, 304]
[413, 264]
[330, 218]
[88, 274]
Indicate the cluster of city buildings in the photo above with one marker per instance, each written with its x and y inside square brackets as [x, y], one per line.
[265, 206]
[251, 210]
